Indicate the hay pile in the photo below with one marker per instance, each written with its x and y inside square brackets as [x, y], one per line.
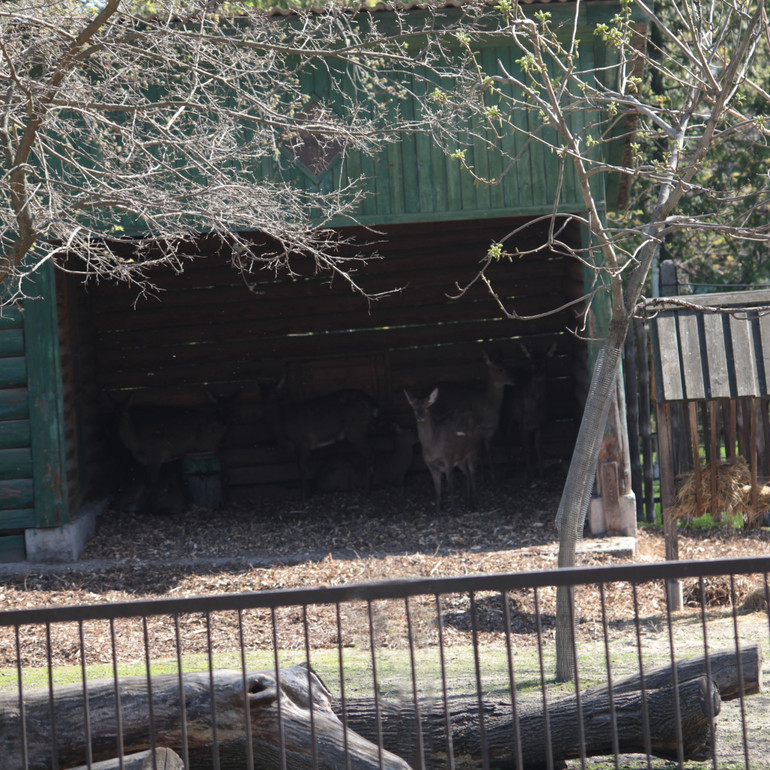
[733, 494]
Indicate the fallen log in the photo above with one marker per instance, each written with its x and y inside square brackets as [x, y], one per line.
[422, 740]
[165, 759]
[399, 727]
[399, 724]
[310, 734]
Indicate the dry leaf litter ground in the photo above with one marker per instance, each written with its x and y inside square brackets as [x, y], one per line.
[342, 538]
[282, 542]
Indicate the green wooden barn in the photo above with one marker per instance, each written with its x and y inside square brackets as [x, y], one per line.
[71, 357]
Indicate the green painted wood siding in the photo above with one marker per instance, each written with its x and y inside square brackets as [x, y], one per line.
[32, 481]
[46, 406]
[16, 485]
[412, 180]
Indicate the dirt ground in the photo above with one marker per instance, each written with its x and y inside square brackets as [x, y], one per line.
[342, 538]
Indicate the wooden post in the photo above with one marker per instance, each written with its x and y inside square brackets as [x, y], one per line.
[753, 460]
[714, 462]
[667, 499]
[730, 419]
[631, 371]
[645, 419]
[695, 446]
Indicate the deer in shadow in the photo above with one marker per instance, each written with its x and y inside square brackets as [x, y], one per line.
[302, 427]
[448, 442]
[529, 410]
[484, 400]
[158, 435]
[348, 469]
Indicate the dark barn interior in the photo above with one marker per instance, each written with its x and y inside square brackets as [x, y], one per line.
[207, 333]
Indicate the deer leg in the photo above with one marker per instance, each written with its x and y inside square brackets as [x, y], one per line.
[469, 471]
[450, 486]
[436, 475]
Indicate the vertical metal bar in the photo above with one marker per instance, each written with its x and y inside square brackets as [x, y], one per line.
[22, 720]
[645, 707]
[150, 707]
[246, 708]
[116, 682]
[767, 597]
[343, 704]
[710, 705]
[51, 700]
[608, 664]
[675, 685]
[281, 733]
[479, 693]
[182, 705]
[578, 702]
[375, 684]
[86, 705]
[415, 694]
[313, 742]
[753, 459]
[739, 662]
[444, 693]
[212, 690]
[546, 715]
[516, 748]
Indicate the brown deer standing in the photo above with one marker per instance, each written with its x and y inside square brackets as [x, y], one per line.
[529, 410]
[448, 442]
[485, 402]
[304, 426]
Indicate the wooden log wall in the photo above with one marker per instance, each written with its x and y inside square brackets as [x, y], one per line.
[206, 329]
[16, 487]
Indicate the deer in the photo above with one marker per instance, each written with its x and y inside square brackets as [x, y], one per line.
[156, 435]
[529, 409]
[390, 464]
[485, 402]
[305, 426]
[448, 442]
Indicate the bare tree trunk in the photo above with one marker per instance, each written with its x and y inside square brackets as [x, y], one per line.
[577, 489]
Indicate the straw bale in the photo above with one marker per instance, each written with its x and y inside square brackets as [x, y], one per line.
[733, 493]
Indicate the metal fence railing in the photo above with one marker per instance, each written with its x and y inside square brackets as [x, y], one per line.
[420, 673]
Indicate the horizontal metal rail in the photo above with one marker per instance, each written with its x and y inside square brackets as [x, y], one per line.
[393, 589]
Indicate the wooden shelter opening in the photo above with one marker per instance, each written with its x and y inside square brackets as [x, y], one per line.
[211, 330]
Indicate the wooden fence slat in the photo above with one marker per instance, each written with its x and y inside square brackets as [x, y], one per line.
[716, 356]
[743, 357]
[671, 373]
[764, 337]
[690, 345]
